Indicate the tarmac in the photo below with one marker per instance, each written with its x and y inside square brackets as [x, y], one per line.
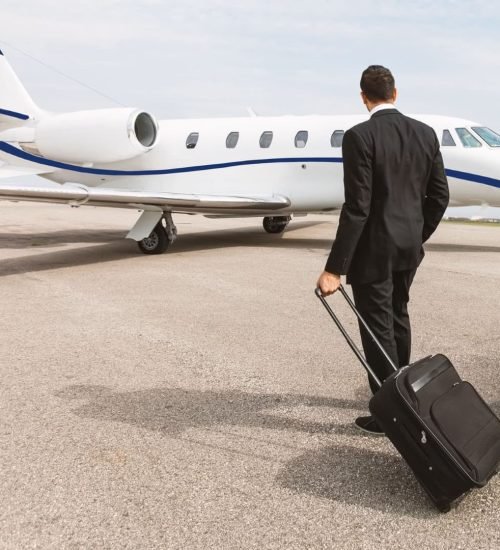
[202, 399]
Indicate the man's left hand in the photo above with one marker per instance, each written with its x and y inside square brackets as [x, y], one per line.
[328, 283]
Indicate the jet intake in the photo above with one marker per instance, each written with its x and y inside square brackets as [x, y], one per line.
[97, 136]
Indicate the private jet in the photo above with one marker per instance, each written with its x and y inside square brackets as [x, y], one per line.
[270, 167]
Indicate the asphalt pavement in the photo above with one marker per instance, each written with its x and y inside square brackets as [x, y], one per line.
[202, 399]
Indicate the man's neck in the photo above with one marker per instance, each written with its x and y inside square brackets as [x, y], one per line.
[381, 106]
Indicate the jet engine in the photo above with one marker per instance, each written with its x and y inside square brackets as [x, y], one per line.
[97, 136]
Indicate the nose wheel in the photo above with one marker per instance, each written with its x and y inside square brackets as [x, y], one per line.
[276, 224]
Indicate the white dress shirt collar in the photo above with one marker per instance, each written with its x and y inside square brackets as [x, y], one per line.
[381, 107]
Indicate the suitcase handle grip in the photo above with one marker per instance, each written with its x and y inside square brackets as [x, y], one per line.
[350, 341]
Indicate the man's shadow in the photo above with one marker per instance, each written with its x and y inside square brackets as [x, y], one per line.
[175, 410]
[344, 473]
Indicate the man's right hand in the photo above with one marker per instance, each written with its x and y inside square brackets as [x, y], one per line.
[328, 283]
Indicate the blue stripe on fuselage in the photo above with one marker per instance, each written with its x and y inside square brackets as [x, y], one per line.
[11, 150]
[473, 177]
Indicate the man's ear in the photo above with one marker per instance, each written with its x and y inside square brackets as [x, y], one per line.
[363, 98]
[395, 94]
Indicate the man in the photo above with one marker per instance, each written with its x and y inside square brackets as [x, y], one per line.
[396, 193]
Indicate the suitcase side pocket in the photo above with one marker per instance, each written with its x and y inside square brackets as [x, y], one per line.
[471, 429]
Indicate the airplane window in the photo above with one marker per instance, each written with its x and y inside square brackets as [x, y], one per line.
[301, 139]
[447, 139]
[337, 138]
[491, 137]
[265, 139]
[467, 138]
[232, 140]
[192, 140]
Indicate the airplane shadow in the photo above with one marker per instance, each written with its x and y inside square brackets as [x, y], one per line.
[111, 246]
[66, 258]
[57, 238]
[343, 473]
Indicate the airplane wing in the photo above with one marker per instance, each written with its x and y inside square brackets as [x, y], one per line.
[77, 195]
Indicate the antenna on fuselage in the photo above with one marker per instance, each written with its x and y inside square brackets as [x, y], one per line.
[58, 71]
[251, 112]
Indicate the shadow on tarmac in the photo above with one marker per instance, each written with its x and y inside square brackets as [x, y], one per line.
[119, 248]
[343, 473]
[111, 246]
[359, 477]
[174, 410]
[57, 238]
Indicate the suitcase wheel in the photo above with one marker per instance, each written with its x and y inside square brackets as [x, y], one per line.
[444, 506]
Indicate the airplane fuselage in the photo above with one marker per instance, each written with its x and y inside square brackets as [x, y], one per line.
[311, 176]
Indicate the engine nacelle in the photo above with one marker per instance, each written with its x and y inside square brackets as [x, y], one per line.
[101, 136]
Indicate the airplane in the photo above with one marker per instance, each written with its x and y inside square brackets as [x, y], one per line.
[270, 167]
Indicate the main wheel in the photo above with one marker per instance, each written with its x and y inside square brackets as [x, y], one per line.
[275, 224]
[156, 243]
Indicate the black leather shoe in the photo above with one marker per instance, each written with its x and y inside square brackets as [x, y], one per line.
[368, 425]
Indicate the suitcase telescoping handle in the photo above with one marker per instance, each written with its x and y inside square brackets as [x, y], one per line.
[350, 341]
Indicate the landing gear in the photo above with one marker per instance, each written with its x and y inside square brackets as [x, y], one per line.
[276, 224]
[156, 243]
[161, 237]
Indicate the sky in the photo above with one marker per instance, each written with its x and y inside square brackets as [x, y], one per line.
[209, 58]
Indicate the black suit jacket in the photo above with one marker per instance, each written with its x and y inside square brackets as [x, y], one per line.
[396, 193]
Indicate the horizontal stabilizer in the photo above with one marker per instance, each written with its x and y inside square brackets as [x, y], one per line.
[11, 119]
[9, 115]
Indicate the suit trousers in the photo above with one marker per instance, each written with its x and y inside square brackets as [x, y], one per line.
[384, 306]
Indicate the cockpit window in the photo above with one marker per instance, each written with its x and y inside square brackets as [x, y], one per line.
[301, 139]
[467, 139]
[266, 139]
[192, 140]
[447, 139]
[491, 137]
[337, 138]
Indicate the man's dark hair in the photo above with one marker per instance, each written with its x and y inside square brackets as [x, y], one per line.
[377, 83]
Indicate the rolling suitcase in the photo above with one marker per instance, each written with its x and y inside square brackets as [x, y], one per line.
[441, 426]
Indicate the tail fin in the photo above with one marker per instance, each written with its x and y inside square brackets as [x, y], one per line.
[16, 105]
